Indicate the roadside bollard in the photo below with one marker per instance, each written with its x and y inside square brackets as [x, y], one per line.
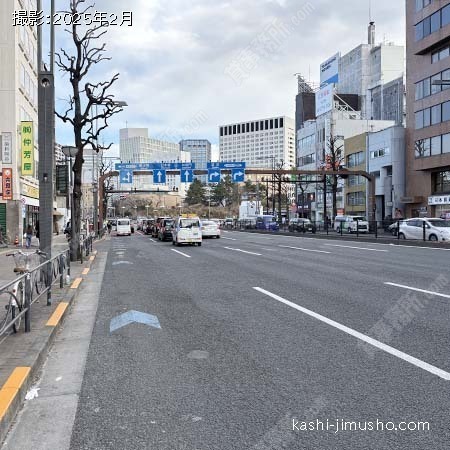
[28, 303]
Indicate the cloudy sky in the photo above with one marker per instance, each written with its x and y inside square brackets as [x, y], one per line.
[188, 66]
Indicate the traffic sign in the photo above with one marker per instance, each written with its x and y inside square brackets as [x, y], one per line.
[224, 165]
[155, 166]
[237, 175]
[126, 176]
[213, 175]
[159, 176]
[187, 176]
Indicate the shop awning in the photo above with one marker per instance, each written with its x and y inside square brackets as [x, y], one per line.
[57, 214]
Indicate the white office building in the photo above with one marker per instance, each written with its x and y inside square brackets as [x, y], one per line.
[18, 102]
[137, 147]
[200, 151]
[259, 143]
[312, 147]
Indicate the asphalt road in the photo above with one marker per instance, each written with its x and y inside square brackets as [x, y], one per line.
[265, 342]
[234, 367]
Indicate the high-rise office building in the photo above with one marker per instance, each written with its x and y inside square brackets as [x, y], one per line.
[428, 108]
[260, 143]
[200, 151]
[136, 146]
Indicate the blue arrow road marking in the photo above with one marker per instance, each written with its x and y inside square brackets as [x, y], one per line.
[131, 317]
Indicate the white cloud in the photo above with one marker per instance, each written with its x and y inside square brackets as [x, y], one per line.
[173, 59]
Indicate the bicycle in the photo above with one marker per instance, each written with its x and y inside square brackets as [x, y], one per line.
[16, 300]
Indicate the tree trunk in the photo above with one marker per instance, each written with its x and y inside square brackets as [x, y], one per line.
[334, 192]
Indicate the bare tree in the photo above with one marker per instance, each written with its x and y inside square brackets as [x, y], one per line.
[334, 156]
[108, 185]
[84, 98]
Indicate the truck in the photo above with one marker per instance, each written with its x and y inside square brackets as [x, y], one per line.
[248, 211]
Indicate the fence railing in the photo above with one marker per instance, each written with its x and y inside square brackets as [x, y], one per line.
[382, 229]
[20, 294]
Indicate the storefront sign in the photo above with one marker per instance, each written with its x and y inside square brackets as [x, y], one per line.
[7, 148]
[7, 184]
[30, 191]
[27, 148]
[439, 200]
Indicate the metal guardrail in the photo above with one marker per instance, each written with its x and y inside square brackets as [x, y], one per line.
[384, 229]
[86, 243]
[34, 285]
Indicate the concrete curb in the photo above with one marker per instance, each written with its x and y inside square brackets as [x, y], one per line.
[346, 237]
[14, 406]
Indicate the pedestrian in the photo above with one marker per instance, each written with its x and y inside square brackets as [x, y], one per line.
[109, 226]
[28, 235]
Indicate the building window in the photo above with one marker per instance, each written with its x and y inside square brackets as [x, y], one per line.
[234, 129]
[419, 119]
[436, 145]
[221, 131]
[435, 21]
[281, 122]
[356, 198]
[266, 125]
[420, 4]
[436, 114]
[445, 20]
[432, 23]
[441, 182]
[446, 143]
[355, 159]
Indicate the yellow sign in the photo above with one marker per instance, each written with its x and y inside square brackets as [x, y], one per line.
[27, 146]
[30, 191]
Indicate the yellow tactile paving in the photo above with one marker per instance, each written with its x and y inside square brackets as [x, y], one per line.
[76, 283]
[57, 314]
[91, 258]
[85, 271]
[10, 389]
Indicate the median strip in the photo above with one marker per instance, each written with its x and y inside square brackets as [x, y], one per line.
[387, 348]
[10, 389]
[57, 314]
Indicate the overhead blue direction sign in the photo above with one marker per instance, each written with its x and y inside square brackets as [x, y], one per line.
[237, 175]
[126, 176]
[225, 165]
[187, 176]
[213, 175]
[155, 166]
[159, 176]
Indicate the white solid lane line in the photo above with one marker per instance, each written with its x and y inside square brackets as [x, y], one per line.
[243, 251]
[151, 240]
[358, 248]
[180, 253]
[438, 294]
[304, 249]
[387, 348]
[230, 239]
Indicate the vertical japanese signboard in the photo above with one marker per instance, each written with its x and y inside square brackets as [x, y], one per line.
[7, 148]
[7, 184]
[27, 147]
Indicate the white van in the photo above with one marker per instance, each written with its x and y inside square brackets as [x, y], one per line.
[187, 230]
[349, 224]
[123, 227]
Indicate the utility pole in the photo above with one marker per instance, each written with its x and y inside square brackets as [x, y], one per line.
[46, 141]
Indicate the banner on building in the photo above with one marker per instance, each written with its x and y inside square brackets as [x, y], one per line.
[7, 184]
[7, 148]
[329, 70]
[27, 148]
[324, 100]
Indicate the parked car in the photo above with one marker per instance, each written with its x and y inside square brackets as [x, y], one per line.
[436, 229]
[351, 224]
[302, 225]
[210, 228]
[393, 227]
[148, 226]
[267, 222]
[165, 230]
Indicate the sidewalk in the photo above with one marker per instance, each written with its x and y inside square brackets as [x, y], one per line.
[22, 354]
[60, 244]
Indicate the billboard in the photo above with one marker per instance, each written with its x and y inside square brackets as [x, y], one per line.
[7, 184]
[7, 148]
[329, 70]
[27, 147]
[324, 100]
